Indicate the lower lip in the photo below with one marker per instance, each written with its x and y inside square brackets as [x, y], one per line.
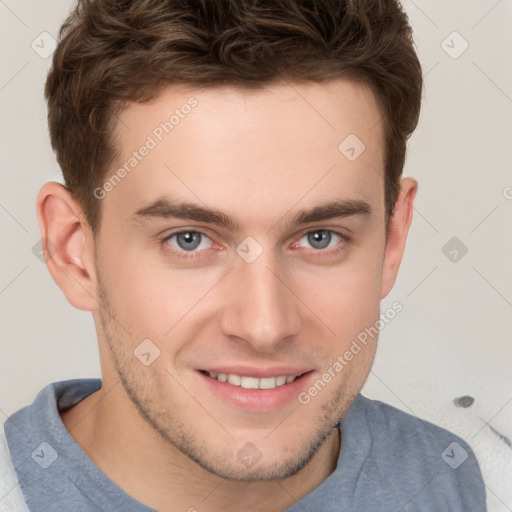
[258, 399]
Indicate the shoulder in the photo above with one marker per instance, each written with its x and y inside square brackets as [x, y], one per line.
[23, 430]
[438, 463]
[405, 429]
[11, 497]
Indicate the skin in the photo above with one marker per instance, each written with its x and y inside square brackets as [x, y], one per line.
[159, 431]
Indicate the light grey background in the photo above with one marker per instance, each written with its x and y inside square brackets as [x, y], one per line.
[453, 336]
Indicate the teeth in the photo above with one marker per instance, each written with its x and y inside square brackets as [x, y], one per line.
[268, 383]
[280, 380]
[253, 382]
[249, 382]
[234, 379]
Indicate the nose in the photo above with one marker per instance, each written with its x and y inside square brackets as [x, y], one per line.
[260, 306]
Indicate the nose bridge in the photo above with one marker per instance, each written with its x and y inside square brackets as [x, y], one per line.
[259, 307]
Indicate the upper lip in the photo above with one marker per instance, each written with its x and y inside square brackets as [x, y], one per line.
[258, 372]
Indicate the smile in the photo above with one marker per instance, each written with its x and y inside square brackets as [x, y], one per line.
[248, 382]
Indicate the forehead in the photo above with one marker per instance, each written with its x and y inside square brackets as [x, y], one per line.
[296, 110]
[261, 148]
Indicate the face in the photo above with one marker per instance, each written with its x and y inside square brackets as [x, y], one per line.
[245, 245]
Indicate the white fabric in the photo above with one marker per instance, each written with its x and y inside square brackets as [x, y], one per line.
[11, 497]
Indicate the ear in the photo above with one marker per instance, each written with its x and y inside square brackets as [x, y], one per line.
[397, 233]
[68, 245]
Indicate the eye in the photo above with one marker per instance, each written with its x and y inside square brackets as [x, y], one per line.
[193, 242]
[189, 241]
[321, 239]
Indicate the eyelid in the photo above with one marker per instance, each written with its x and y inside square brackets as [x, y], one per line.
[177, 231]
[336, 230]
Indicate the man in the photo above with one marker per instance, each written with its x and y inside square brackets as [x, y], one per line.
[233, 215]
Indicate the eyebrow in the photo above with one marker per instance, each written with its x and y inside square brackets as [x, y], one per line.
[167, 209]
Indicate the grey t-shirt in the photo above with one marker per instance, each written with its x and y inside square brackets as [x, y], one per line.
[389, 461]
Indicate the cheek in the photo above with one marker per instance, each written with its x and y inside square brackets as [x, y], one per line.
[134, 292]
[153, 300]
[349, 307]
[345, 297]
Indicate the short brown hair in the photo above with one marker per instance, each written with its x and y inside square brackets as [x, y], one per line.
[114, 51]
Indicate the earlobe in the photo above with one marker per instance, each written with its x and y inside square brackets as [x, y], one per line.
[397, 234]
[68, 245]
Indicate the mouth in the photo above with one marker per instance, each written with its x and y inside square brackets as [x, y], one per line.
[249, 382]
[270, 390]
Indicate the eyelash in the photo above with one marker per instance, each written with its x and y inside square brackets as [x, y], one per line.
[190, 255]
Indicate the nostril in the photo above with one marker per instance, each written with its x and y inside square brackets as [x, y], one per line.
[464, 401]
